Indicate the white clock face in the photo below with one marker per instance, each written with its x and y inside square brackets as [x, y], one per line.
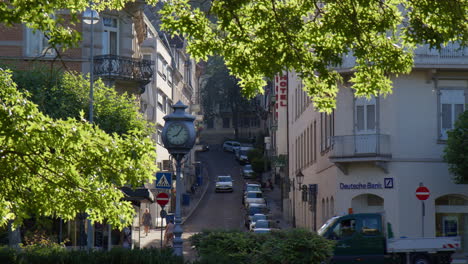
[177, 134]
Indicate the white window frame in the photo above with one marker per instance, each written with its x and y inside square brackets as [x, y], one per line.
[106, 36]
[364, 102]
[450, 97]
[37, 44]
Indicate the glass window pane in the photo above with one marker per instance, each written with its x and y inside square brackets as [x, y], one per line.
[113, 43]
[371, 117]
[458, 111]
[360, 117]
[446, 116]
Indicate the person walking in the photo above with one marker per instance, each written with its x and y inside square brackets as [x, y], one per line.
[169, 234]
[146, 220]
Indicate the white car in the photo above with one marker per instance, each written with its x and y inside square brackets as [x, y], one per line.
[254, 197]
[224, 184]
[230, 146]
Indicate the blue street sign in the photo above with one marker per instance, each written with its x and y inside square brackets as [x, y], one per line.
[163, 180]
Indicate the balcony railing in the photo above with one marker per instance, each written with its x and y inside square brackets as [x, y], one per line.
[123, 68]
[361, 146]
[451, 54]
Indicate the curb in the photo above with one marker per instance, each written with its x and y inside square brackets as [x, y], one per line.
[198, 202]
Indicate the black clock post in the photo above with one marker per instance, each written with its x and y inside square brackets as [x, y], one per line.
[178, 136]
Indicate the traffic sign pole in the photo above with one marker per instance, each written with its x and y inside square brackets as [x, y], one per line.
[422, 193]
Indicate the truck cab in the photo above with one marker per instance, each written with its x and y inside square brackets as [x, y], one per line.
[359, 238]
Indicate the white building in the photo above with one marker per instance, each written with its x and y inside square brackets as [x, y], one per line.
[372, 155]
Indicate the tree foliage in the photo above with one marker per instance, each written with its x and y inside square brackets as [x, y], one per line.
[456, 151]
[59, 168]
[263, 37]
[63, 95]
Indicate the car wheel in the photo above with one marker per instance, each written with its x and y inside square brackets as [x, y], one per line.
[421, 259]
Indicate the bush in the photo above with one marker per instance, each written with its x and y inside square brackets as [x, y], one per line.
[283, 246]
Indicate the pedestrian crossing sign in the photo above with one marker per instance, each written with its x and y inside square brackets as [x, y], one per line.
[163, 180]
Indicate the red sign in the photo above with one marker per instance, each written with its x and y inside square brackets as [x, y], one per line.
[281, 88]
[422, 193]
[162, 199]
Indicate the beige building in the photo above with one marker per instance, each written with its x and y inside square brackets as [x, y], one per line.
[370, 155]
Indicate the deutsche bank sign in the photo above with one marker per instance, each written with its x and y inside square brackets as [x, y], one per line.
[387, 184]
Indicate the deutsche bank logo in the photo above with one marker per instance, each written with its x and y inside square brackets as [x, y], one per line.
[388, 183]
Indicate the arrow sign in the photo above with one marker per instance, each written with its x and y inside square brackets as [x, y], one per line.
[422, 193]
[162, 199]
[163, 180]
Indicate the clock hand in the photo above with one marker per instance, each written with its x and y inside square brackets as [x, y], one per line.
[180, 130]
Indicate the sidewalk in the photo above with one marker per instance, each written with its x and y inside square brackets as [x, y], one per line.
[273, 199]
[153, 240]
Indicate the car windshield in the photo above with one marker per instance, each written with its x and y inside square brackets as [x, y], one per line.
[248, 167]
[256, 210]
[254, 195]
[262, 224]
[224, 179]
[325, 226]
[253, 188]
[258, 217]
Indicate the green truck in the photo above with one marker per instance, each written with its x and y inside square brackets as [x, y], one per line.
[362, 238]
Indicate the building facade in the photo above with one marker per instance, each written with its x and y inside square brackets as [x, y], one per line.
[371, 154]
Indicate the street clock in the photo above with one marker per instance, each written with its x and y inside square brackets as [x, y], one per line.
[178, 134]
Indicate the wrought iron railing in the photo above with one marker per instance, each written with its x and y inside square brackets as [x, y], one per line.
[368, 145]
[124, 68]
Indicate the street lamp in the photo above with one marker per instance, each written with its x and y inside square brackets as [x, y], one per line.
[178, 136]
[91, 17]
[299, 179]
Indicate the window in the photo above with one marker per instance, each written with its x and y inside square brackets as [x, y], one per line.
[226, 122]
[210, 123]
[160, 65]
[327, 130]
[159, 139]
[452, 104]
[370, 226]
[161, 102]
[37, 44]
[110, 38]
[365, 115]
[344, 229]
[169, 75]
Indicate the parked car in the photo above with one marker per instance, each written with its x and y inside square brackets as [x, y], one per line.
[254, 197]
[256, 217]
[241, 154]
[252, 187]
[230, 145]
[224, 184]
[263, 223]
[247, 172]
[253, 209]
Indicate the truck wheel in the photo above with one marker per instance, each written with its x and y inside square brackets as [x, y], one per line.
[421, 259]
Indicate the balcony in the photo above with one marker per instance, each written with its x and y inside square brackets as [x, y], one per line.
[113, 67]
[370, 148]
[450, 56]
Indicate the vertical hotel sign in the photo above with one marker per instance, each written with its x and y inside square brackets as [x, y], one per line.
[281, 111]
[281, 93]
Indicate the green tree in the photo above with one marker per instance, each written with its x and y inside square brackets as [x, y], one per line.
[222, 90]
[63, 95]
[59, 168]
[456, 151]
[261, 38]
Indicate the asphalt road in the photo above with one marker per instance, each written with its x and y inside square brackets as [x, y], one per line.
[218, 210]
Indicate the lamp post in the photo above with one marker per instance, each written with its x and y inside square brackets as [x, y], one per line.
[299, 179]
[178, 136]
[91, 17]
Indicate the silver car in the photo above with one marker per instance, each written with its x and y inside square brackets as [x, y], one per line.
[224, 184]
[230, 146]
[247, 172]
[254, 197]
